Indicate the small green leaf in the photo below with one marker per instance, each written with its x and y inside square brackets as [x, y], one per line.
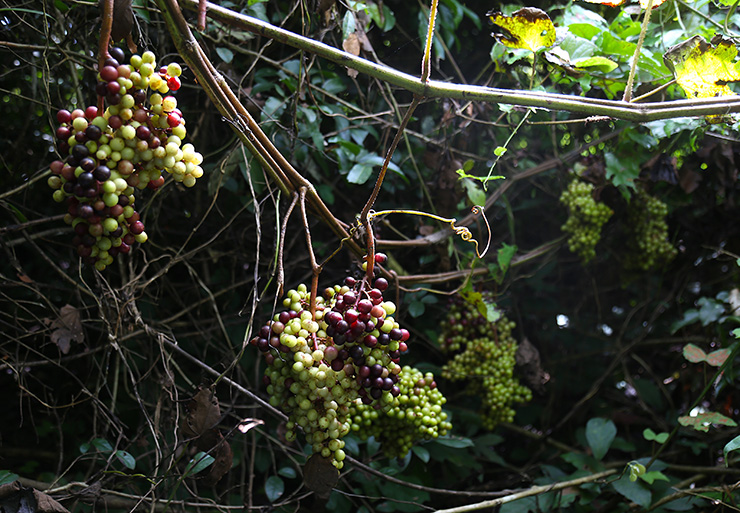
[348, 24]
[225, 54]
[359, 174]
[475, 195]
[650, 477]
[7, 476]
[102, 445]
[199, 462]
[730, 446]
[126, 458]
[600, 433]
[500, 150]
[694, 354]
[288, 472]
[274, 488]
[633, 490]
[505, 253]
[596, 63]
[84, 448]
[710, 310]
[416, 309]
[421, 453]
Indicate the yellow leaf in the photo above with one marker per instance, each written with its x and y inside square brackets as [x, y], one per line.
[617, 3]
[528, 28]
[703, 69]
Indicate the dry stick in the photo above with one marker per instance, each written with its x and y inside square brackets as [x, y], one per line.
[315, 268]
[633, 69]
[535, 490]
[281, 245]
[425, 71]
[280, 170]
[105, 30]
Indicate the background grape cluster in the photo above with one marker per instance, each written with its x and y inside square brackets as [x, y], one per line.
[319, 362]
[483, 355]
[585, 218]
[415, 415]
[110, 153]
[647, 240]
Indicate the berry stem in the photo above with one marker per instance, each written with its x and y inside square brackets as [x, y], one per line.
[105, 30]
[315, 268]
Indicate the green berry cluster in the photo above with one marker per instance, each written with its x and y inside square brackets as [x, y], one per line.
[647, 242]
[322, 359]
[484, 355]
[110, 153]
[585, 218]
[415, 415]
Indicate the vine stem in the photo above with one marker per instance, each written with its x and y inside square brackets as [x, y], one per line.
[633, 69]
[426, 67]
[618, 109]
[106, 26]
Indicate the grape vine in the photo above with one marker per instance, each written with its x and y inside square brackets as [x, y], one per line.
[324, 354]
[647, 244]
[585, 218]
[483, 355]
[109, 154]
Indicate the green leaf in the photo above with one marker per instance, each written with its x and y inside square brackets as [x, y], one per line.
[500, 150]
[710, 310]
[102, 445]
[455, 442]
[84, 448]
[126, 458]
[689, 317]
[702, 421]
[694, 354]
[225, 54]
[288, 472]
[7, 476]
[359, 174]
[650, 477]
[621, 171]
[416, 308]
[596, 63]
[524, 505]
[633, 490]
[274, 488]
[650, 435]
[505, 253]
[421, 453]
[600, 433]
[348, 24]
[730, 446]
[200, 462]
[475, 194]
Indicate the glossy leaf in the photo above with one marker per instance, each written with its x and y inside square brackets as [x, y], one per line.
[596, 63]
[7, 477]
[274, 488]
[200, 462]
[126, 458]
[528, 28]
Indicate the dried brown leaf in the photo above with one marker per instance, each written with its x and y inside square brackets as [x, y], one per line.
[203, 414]
[67, 328]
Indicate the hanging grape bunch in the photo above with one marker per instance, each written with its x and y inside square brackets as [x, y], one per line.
[484, 355]
[415, 415]
[585, 218]
[320, 360]
[647, 243]
[109, 154]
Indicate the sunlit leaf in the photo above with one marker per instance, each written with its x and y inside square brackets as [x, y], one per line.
[650, 477]
[703, 69]
[596, 63]
[694, 354]
[702, 421]
[617, 3]
[528, 28]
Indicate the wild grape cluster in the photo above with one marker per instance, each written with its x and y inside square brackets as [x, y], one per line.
[585, 218]
[647, 243]
[319, 362]
[416, 414]
[484, 355]
[108, 154]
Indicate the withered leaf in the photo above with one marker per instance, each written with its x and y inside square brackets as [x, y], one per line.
[203, 414]
[223, 459]
[352, 45]
[67, 328]
[319, 475]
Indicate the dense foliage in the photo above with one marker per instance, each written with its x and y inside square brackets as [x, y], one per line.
[592, 347]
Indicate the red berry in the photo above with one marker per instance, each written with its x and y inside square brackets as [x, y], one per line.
[64, 116]
[91, 112]
[173, 120]
[109, 73]
[174, 83]
[137, 227]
